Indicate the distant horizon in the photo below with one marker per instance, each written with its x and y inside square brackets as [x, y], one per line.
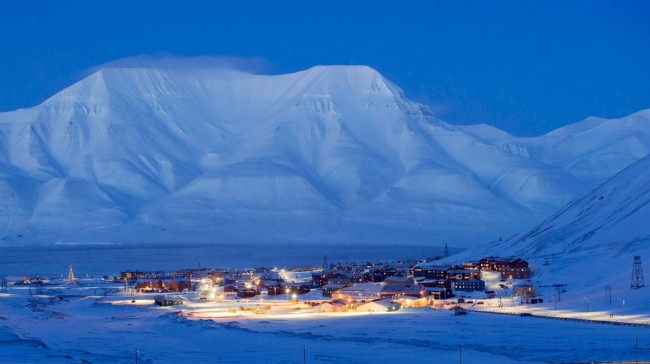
[526, 67]
[48, 260]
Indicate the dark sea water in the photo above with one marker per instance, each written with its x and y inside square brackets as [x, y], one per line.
[96, 260]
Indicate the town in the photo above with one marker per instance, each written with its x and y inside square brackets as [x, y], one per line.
[493, 284]
[385, 286]
[378, 295]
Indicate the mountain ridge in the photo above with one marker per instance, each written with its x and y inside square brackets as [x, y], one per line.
[333, 153]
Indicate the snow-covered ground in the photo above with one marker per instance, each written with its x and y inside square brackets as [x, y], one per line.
[111, 329]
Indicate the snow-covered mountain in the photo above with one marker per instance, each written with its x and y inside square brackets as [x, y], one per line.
[328, 154]
[613, 218]
[592, 150]
[591, 242]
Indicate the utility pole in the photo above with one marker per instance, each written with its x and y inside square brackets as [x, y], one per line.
[304, 354]
[460, 353]
[608, 295]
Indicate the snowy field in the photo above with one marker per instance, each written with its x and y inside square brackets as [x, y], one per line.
[111, 329]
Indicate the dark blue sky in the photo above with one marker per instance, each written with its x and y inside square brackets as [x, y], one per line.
[525, 66]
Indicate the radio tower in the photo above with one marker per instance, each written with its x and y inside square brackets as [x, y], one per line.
[637, 273]
[71, 277]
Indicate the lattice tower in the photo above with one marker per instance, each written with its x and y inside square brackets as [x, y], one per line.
[637, 273]
[71, 277]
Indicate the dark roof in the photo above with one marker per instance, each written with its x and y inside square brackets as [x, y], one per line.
[338, 302]
[333, 286]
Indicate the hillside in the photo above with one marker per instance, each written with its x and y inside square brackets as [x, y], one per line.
[591, 242]
[332, 153]
[592, 150]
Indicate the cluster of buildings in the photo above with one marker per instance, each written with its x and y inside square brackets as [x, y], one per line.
[468, 277]
[418, 283]
[161, 281]
[348, 286]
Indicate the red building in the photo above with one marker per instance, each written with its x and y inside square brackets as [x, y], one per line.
[163, 285]
[515, 273]
[510, 268]
[497, 263]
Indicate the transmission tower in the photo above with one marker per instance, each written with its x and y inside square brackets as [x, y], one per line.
[71, 277]
[446, 252]
[325, 265]
[637, 273]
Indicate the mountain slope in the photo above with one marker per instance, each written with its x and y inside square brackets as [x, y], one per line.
[613, 216]
[617, 211]
[212, 155]
[592, 150]
[590, 243]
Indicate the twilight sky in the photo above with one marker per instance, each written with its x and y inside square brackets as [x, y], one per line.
[524, 66]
